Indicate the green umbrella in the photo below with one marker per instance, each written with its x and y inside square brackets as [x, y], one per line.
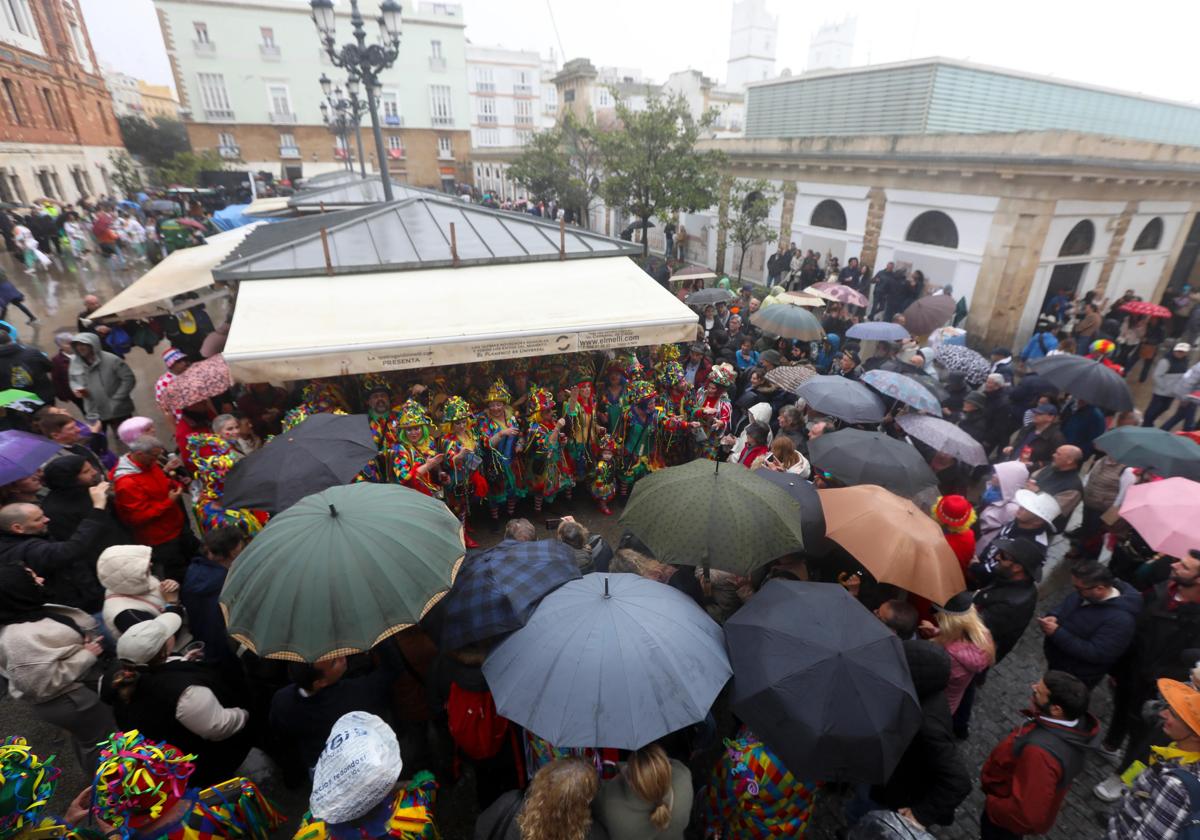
[719, 516]
[19, 400]
[340, 571]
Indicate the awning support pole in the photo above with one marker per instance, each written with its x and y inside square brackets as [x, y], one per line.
[562, 239]
[453, 246]
[325, 249]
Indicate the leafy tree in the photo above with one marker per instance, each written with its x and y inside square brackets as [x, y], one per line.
[563, 165]
[746, 224]
[651, 165]
[184, 168]
[155, 141]
[125, 172]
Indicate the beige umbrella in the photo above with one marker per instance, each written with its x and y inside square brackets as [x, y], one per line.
[893, 539]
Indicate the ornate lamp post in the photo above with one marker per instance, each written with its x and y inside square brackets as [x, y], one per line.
[342, 115]
[362, 61]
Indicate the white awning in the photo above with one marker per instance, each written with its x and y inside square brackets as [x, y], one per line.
[301, 327]
[266, 206]
[185, 270]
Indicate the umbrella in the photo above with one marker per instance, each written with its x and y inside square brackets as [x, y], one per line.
[903, 388]
[1145, 446]
[791, 377]
[498, 589]
[340, 571]
[878, 331]
[14, 399]
[706, 296]
[796, 299]
[945, 437]
[838, 292]
[812, 518]
[609, 661]
[974, 367]
[1086, 379]
[788, 320]
[1145, 307]
[947, 335]
[698, 514]
[323, 451]
[929, 313]
[822, 681]
[198, 383]
[694, 272]
[1166, 513]
[843, 398]
[22, 454]
[893, 539]
[159, 205]
[192, 223]
[853, 456]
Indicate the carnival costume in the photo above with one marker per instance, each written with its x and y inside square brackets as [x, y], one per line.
[317, 397]
[139, 781]
[407, 815]
[610, 402]
[715, 423]
[500, 462]
[383, 426]
[26, 784]
[636, 435]
[603, 486]
[579, 407]
[462, 461]
[408, 456]
[676, 408]
[547, 467]
[212, 458]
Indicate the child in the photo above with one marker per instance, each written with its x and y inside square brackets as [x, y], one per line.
[746, 356]
[604, 482]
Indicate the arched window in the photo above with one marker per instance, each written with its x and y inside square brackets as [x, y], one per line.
[933, 227]
[1151, 235]
[829, 214]
[750, 199]
[1079, 241]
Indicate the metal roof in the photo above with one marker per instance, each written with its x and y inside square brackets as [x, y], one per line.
[411, 234]
[354, 193]
[289, 230]
[330, 179]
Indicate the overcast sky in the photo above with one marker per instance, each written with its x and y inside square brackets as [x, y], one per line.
[1148, 47]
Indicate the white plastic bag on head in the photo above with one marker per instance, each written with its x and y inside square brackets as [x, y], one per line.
[357, 769]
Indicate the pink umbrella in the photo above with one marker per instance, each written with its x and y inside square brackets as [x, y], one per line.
[838, 292]
[1166, 513]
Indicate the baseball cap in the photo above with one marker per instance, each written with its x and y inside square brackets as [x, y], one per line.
[1182, 347]
[142, 642]
[357, 769]
[1046, 408]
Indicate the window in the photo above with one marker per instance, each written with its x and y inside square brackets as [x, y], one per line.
[77, 177]
[281, 104]
[268, 36]
[1078, 243]
[489, 137]
[933, 227]
[569, 95]
[81, 50]
[523, 137]
[105, 114]
[287, 139]
[828, 214]
[1151, 235]
[394, 142]
[603, 98]
[201, 32]
[439, 105]
[445, 150]
[435, 49]
[51, 111]
[487, 112]
[19, 18]
[287, 145]
[484, 80]
[10, 94]
[523, 112]
[213, 96]
[389, 106]
[226, 140]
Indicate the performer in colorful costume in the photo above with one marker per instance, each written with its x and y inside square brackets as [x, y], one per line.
[547, 467]
[1102, 350]
[26, 784]
[213, 455]
[381, 415]
[520, 386]
[676, 409]
[459, 445]
[579, 406]
[604, 475]
[415, 461]
[636, 435]
[317, 397]
[610, 402]
[500, 435]
[141, 790]
[713, 410]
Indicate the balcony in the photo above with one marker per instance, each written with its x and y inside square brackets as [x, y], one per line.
[485, 87]
[442, 120]
[207, 49]
[488, 119]
[230, 152]
[291, 152]
[269, 52]
[522, 90]
[436, 64]
[219, 115]
[282, 119]
[395, 154]
[393, 120]
[523, 119]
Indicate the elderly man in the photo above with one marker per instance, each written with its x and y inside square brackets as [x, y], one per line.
[697, 365]
[1036, 442]
[63, 429]
[102, 380]
[84, 322]
[1060, 478]
[791, 425]
[147, 502]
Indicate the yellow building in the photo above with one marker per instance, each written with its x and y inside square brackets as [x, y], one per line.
[158, 101]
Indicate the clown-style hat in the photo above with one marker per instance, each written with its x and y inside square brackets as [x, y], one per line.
[583, 369]
[668, 353]
[372, 382]
[607, 444]
[456, 409]
[541, 400]
[1103, 346]
[498, 392]
[670, 374]
[412, 414]
[954, 513]
[722, 375]
[138, 780]
[641, 390]
[634, 369]
[26, 784]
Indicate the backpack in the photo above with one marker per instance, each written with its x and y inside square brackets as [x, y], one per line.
[1190, 830]
[474, 724]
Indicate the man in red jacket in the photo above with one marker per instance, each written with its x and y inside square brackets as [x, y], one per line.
[148, 502]
[1028, 774]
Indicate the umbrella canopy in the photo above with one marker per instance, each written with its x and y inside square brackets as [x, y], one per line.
[159, 205]
[201, 381]
[857, 457]
[796, 298]
[812, 518]
[788, 320]
[22, 454]
[340, 571]
[878, 331]
[192, 223]
[843, 398]
[706, 296]
[1086, 379]
[974, 367]
[1145, 446]
[791, 377]
[894, 540]
[498, 589]
[1166, 513]
[903, 388]
[929, 313]
[838, 292]
[609, 661]
[947, 335]
[944, 437]
[14, 399]
[822, 681]
[323, 451]
[1145, 307]
[699, 514]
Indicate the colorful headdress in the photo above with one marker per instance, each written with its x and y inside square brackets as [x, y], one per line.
[670, 374]
[455, 409]
[412, 414]
[541, 400]
[954, 513]
[607, 444]
[324, 397]
[616, 365]
[722, 375]
[641, 390]
[634, 369]
[138, 780]
[583, 369]
[1103, 346]
[498, 392]
[372, 382]
[26, 785]
[668, 353]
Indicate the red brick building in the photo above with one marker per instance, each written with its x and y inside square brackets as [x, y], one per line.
[57, 126]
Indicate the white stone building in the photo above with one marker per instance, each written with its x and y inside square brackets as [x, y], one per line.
[753, 40]
[126, 93]
[505, 90]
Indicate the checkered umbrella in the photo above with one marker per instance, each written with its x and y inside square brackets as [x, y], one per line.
[498, 589]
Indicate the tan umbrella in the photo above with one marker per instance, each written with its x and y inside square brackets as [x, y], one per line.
[893, 539]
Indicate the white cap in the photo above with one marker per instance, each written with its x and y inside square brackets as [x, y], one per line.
[142, 642]
[1041, 505]
[357, 769]
[1182, 347]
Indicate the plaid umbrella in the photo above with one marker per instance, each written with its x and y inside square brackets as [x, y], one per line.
[946, 437]
[792, 377]
[198, 383]
[906, 390]
[838, 292]
[1145, 307]
[497, 590]
[974, 367]
[929, 313]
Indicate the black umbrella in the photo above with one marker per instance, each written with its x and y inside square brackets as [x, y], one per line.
[857, 457]
[1138, 446]
[812, 517]
[822, 681]
[323, 451]
[706, 296]
[1086, 379]
[843, 398]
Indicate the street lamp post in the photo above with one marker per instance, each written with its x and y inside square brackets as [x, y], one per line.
[363, 61]
[341, 115]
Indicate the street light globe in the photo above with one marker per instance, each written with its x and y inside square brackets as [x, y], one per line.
[326, 84]
[390, 18]
[352, 85]
[323, 16]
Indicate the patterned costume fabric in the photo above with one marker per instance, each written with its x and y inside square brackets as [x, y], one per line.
[406, 816]
[546, 461]
[213, 457]
[716, 424]
[501, 466]
[540, 752]
[604, 477]
[676, 410]
[408, 456]
[460, 445]
[26, 785]
[752, 796]
[637, 433]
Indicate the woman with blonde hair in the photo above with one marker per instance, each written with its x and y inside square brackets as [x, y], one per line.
[682, 578]
[961, 631]
[651, 798]
[557, 806]
[783, 457]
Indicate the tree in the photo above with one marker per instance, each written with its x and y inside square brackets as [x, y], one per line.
[125, 172]
[562, 165]
[155, 141]
[651, 164]
[749, 205]
[185, 167]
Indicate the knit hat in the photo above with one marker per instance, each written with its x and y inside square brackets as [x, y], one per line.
[62, 473]
[26, 785]
[954, 513]
[771, 357]
[960, 604]
[976, 399]
[172, 355]
[138, 780]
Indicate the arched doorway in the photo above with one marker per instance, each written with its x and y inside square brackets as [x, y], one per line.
[1065, 278]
